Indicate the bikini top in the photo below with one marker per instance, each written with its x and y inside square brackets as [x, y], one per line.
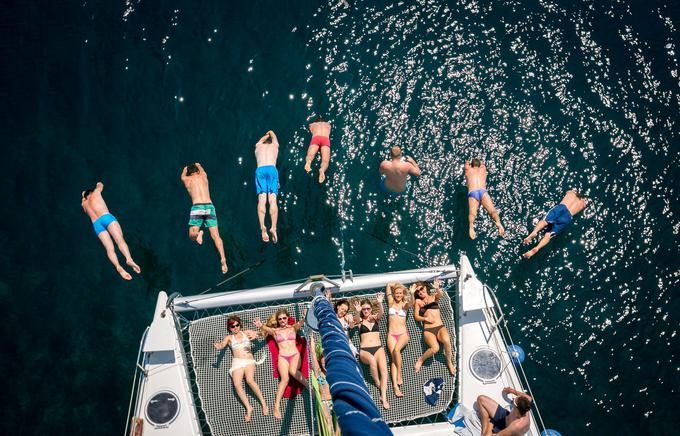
[280, 338]
[424, 308]
[240, 345]
[363, 329]
[398, 312]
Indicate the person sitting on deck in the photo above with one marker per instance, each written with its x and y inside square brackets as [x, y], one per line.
[399, 301]
[242, 363]
[371, 352]
[498, 420]
[106, 226]
[202, 212]
[267, 183]
[394, 172]
[321, 130]
[556, 220]
[426, 310]
[475, 178]
[289, 361]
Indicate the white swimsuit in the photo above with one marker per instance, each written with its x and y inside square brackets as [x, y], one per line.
[238, 362]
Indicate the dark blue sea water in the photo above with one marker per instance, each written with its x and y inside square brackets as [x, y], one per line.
[551, 94]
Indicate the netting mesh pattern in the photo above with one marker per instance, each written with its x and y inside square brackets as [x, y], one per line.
[223, 410]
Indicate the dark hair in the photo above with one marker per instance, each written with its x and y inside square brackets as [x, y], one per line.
[578, 195]
[340, 303]
[421, 283]
[523, 405]
[319, 119]
[233, 320]
[476, 162]
[191, 169]
[268, 139]
[87, 193]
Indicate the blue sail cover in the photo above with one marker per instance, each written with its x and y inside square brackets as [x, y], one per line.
[353, 405]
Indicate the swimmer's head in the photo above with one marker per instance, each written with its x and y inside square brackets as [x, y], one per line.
[395, 152]
[579, 195]
[476, 162]
[191, 169]
[319, 119]
[268, 139]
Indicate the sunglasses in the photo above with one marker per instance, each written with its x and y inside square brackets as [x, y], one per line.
[365, 308]
[234, 325]
[282, 318]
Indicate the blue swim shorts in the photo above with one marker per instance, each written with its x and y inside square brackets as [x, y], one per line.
[267, 180]
[557, 218]
[103, 222]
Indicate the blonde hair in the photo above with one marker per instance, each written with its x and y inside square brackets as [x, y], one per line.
[273, 322]
[406, 299]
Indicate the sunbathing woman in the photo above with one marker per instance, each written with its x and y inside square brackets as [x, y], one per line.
[289, 357]
[346, 319]
[398, 302]
[426, 309]
[242, 363]
[371, 352]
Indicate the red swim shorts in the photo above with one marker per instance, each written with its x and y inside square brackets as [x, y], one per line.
[321, 141]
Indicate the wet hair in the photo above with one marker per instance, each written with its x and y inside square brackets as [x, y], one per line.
[87, 193]
[523, 405]
[268, 139]
[234, 320]
[273, 321]
[395, 152]
[319, 119]
[191, 169]
[579, 195]
[421, 283]
[476, 162]
[340, 303]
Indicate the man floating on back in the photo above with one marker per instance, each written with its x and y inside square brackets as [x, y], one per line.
[321, 130]
[475, 177]
[106, 226]
[202, 212]
[267, 182]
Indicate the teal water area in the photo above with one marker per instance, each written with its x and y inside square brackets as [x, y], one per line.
[552, 95]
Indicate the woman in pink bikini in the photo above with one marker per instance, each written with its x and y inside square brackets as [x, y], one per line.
[289, 357]
[242, 362]
[321, 130]
[426, 310]
[371, 352]
[398, 302]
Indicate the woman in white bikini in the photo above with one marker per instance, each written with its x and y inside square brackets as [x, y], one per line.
[426, 310]
[346, 319]
[289, 357]
[398, 302]
[371, 352]
[242, 363]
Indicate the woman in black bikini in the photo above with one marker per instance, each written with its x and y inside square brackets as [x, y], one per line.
[426, 310]
[371, 351]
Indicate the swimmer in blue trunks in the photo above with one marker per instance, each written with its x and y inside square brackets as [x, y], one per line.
[267, 183]
[475, 177]
[499, 420]
[394, 173]
[556, 220]
[107, 228]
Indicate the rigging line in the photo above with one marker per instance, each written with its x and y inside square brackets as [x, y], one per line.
[394, 246]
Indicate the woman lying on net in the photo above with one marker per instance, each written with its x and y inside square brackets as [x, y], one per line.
[371, 351]
[426, 310]
[399, 301]
[242, 362]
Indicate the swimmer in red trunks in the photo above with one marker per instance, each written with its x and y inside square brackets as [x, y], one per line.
[321, 130]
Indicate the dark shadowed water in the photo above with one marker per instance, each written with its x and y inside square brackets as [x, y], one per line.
[552, 95]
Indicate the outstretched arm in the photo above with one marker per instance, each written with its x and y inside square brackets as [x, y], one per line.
[301, 321]
[388, 294]
[264, 328]
[200, 169]
[223, 343]
[437, 285]
[273, 136]
[184, 176]
[415, 169]
[100, 187]
[509, 390]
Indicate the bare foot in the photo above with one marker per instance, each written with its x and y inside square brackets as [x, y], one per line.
[452, 368]
[277, 413]
[265, 409]
[473, 235]
[249, 412]
[265, 235]
[322, 176]
[530, 253]
[275, 237]
[397, 392]
[199, 238]
[134, 266]
[385, 404]
[124, 274]
[308, 167]
[418, 365]
[501, 229]
[224, 266]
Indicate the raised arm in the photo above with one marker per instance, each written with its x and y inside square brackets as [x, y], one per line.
[273, 136]
[437, 285]
[184, 176]
[509, 390]
[223, 343]
[252, 334]
[388, 294]
[415, 169]
[99, 188]
[264, 328]
[298, 325]
[381, 311]
[201, 171]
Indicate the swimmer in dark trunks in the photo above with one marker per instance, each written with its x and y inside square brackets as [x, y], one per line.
[321, 130]
[371, 351]
[475, 177]
[556, 220]
[498, 420]
[426, 310]
[106, 227]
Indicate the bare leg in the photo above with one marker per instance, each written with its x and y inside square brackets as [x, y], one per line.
[403, 340]
[283, 374]
[215, 235]
[368, 360]
[391, 345]
[539, 226]
[542, 243]
[116, 233]
[445, 340]
[382, 365]
[325, 160]
[274, 215]
[294, 371]
[250, 379]
[237, 378]
[488, 205]
[487, 409]
[431, 341]
[472, 214]
[196, 234]
[311, 152]
[261, 210]
[111, 253]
